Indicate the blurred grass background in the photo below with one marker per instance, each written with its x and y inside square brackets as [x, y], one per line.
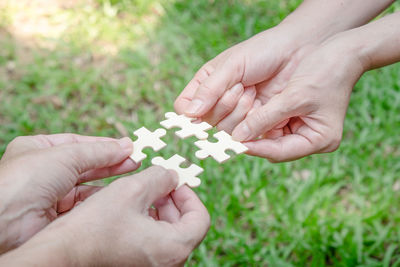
[107, 67]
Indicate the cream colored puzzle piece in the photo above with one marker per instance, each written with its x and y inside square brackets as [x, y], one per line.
[186, 175]
[147, 139]
[187, 127]
[217, 150]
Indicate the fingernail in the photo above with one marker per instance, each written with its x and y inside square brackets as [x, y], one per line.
[242, 133]
[195, 106]
[126, 144]
[237, 89]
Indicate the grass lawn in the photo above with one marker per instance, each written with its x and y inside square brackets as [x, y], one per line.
[109, 67]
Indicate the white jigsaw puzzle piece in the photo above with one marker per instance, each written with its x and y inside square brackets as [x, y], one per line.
[187, 127]
[186, 175]
[217, 150]
[147, 139]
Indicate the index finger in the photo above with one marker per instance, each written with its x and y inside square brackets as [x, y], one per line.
[68, 138]
[186, 96]
[227, 74]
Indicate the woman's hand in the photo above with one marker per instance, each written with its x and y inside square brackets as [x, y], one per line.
[41, 177]
[225, 89]
[249, 74]
[307, 116]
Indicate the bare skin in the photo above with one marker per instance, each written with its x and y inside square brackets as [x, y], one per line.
[49, 218]
[242, 90]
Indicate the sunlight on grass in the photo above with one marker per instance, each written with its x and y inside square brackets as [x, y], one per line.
[86, 24]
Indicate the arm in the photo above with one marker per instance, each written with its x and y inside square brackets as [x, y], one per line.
[247, 75]
[46, 249]
[321, 19]
[378, 43]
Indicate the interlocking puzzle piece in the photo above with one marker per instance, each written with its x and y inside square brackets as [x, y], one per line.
[186, 175]
[187, 127]
[217, 150]
[147, 139]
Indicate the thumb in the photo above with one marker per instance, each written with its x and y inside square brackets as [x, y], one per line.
[279, 108]
[85, 156]
[151, 184]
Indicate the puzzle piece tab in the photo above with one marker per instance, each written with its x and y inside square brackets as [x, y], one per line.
[187, 127]
[186, 175]
[217, 150]
[147, 139]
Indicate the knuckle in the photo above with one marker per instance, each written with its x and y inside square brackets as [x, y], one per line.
[207, 221]
[137, 188]
[227, 103]
[334, 142]
[170, 254]
[277, 158]
[130, 186]
[204, 71]
[205, 91]
[246, 102]
[298, 99]
[177, 105]
[259, 116]
[160, 171]
[17, 141]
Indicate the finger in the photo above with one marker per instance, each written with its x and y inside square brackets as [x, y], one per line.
[278, 131]
[257, 104]
[239, 113]
[151, 184]
[226, 75]
[126, 166]
[195, 220]
[225, 105]
[23, 144]
[285, 148]
[185, 98]
[82, 157]
[69, 161]
[167, 210]
[44, 141]
[280, 108]
[78, 194]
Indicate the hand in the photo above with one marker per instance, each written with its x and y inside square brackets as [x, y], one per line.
[308, 115]
[249, 74]
[116, 226]
[245, 76]
[41, 177]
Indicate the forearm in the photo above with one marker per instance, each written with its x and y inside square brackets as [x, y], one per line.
[378, 43]
[50, 247]
[317, 20]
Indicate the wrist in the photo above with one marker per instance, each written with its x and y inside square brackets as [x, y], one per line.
[74, 243]
[314, 21]
[348, 52]
[55, 245]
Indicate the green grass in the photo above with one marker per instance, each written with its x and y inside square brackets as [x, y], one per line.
[120, 64]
